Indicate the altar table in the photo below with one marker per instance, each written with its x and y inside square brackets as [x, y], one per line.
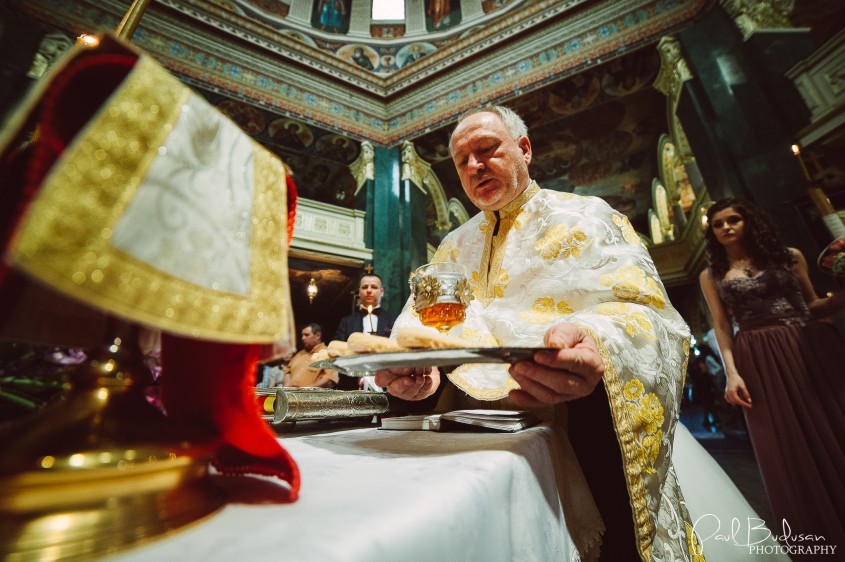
[377, 495]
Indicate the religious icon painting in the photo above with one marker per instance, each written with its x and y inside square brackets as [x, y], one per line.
[442, 14]
[331, 15]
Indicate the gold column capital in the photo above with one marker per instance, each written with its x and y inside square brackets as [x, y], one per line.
[414, 168]
[674, 70]
[754, 15]
[364, 167]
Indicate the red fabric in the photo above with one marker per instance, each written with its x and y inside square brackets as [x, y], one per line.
[210, 385]
[204, 383]
[64, 108]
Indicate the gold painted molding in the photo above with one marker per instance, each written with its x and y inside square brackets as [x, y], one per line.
[754, 15]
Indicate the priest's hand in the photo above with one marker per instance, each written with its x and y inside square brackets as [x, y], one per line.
[409, 384]
[553, 377]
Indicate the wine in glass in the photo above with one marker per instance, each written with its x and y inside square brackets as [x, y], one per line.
[441, 294]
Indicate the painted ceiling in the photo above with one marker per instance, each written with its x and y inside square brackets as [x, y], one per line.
[288, 66]
[310, 84]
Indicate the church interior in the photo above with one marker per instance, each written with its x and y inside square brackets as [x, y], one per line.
[658, 107]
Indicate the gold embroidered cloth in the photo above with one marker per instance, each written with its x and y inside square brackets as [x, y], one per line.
[557, 257]
[163, 211]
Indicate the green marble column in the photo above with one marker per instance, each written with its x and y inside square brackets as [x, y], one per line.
[740, 115]
[396, 229]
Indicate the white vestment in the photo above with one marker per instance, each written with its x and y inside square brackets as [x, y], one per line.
[550, 257]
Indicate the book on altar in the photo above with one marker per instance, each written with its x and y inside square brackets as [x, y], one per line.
[463, 420]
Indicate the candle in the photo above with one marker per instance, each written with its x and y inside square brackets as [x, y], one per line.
[370, 316]
[796, 150]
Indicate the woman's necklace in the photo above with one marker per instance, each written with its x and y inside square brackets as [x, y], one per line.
[746, 265]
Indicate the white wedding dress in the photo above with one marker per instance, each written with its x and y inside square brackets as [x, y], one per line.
[727, 526]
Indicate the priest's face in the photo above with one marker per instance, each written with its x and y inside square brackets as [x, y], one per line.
[370, 291]
[492, 165]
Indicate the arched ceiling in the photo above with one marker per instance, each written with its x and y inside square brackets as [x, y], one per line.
[234, 48]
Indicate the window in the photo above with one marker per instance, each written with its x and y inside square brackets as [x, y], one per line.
[391, 10]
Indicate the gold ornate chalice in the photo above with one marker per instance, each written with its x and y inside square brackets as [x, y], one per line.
[441, 294]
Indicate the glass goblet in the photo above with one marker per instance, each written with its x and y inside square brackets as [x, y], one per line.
[441, 294]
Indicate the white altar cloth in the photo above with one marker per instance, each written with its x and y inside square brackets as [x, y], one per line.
[374, 495]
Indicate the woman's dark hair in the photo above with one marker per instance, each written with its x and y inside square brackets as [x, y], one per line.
[760, 239]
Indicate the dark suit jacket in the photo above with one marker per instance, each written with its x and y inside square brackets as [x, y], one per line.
[355, 323]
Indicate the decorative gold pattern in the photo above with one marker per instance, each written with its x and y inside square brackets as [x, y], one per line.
[544, 310]
[693, 545]
[65, 237]
[463, 291]
[414, 168]
[751, 15]
[674, 70]
[490, 280]
[475, 335]
[427, 291]
[363, 168]
[648, 347]
[446, 252]
[647, 412]
[321, 404]
[630, 283]
[561, 241]
[626, 433]
[628, 233]
[635, 322]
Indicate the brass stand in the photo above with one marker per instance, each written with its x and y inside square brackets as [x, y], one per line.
[100, 469]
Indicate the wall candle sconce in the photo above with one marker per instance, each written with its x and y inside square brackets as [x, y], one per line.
[311, 290]
[820, 200]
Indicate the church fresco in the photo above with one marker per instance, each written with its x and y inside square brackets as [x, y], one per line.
[331, 16]
[361, 55]
[413, 52]
[442, 14]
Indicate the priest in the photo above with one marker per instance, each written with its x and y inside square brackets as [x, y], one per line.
[567, 272]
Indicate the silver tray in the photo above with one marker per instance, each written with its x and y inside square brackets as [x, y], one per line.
[363, 364]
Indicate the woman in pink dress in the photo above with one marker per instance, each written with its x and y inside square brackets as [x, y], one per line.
[784, 367]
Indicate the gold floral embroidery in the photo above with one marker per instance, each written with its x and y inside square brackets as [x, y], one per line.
[693, 546]
[446, 252]
[628, 233]
[476, 284]
[635, 321]
[647, 414]
[565, 195]
[473, 334]
[488, 224]
[561, 241]
[544, 310]
[514, 222]
[630, 283]
[501, 284]
[686, 345]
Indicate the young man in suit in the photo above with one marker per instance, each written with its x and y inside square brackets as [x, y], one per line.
[369, 317]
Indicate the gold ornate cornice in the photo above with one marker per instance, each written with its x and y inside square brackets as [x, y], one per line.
[753, 15]
[674, 70]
